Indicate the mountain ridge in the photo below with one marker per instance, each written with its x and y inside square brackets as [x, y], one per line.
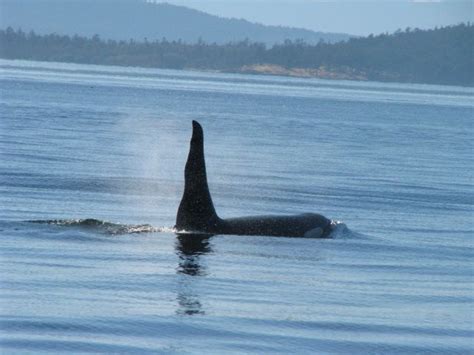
[137, 20]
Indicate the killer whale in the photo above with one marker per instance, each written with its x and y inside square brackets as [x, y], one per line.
[196, 212]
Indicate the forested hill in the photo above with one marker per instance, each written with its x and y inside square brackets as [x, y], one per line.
[139, 19]
[439, 56]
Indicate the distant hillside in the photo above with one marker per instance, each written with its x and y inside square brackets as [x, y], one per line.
[440, 56]
[138, 19]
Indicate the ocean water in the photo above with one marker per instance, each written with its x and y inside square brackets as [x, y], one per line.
[91, 175]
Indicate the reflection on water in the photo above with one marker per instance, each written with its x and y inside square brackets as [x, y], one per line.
[190, 248]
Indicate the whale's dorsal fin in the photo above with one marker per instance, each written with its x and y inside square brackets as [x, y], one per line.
[196, 210]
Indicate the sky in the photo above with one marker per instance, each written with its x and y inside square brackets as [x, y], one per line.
[344, 16]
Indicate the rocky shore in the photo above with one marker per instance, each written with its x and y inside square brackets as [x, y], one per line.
[321, 72]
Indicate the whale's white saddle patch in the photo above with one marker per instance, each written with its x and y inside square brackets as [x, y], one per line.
[314, 233]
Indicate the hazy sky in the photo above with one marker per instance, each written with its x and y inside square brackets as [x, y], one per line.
[354, 17]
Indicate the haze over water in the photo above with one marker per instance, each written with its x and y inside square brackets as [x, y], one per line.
[91, 174]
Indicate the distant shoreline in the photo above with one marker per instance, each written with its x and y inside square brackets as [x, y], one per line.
[320, 73]
[264, 70]
[440, 56]
[260, 69]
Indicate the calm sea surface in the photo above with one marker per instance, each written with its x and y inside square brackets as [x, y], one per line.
[91, 175]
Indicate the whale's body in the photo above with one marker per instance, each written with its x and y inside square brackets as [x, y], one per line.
[196, 211]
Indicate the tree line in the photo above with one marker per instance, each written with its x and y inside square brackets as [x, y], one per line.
[438, 56]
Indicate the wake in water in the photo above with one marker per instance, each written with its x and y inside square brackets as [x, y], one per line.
[104, 226]
[338, 229]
